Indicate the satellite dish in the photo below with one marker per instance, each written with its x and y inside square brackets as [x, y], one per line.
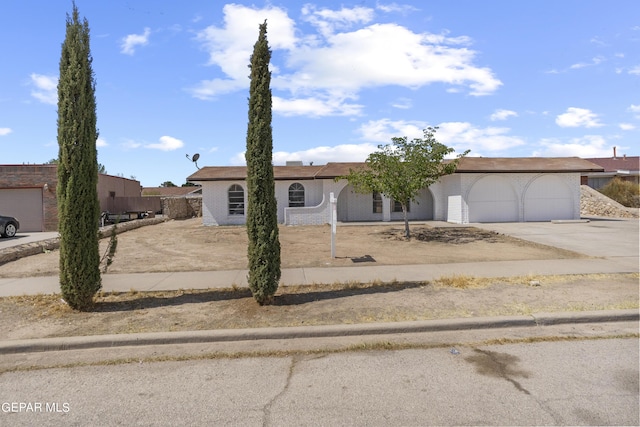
[194, 159]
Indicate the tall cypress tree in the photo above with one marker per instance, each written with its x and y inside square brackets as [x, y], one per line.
[78, 206]
[262, 216]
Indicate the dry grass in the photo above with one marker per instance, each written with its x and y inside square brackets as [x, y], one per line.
[317, 304]
[461, 281]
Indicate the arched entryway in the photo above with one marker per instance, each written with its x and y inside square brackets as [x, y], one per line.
[353, 206]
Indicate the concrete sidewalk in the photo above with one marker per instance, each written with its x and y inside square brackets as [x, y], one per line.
[329, 275]
[612, 245]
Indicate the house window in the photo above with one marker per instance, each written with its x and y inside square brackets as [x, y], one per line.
[377, 202]
[397, 207]
[236, 200]
[296, 195]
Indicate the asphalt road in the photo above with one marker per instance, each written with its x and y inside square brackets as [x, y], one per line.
[591, 382]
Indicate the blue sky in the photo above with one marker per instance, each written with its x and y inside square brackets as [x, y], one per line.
[502, 78]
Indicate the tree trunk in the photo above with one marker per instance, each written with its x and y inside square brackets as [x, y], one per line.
[407, 233]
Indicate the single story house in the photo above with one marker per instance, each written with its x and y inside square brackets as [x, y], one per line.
[625, 168]
[28, 192]
[481, 190]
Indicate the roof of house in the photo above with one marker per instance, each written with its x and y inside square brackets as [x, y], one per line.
[466, 165]
[525, 164]
[614, 164]
[239, 173]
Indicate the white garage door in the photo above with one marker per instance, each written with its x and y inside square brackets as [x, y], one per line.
[25, 204]
[548, 198]
[492, 199]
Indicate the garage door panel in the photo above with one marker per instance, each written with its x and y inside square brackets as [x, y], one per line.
[25, 204]
[492, 199]
[548, 198]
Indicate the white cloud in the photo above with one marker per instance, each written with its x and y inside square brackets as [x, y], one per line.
[463, 136]
[230, 46]
[130, 144]
[347, 53]
[578, 117]
[101, 142]
[594, 61]
[130, 42]
[5, 131]
[586, 146]
[503, 115]
[319, 155]
[315, 107]
[402, 103]
[327, 21]
[597, 41]
[459, 135]
[46, 88]
[394, 7]
[626, 126]
[167, 143]
[381, 131]
[635, 109]
[635, 70]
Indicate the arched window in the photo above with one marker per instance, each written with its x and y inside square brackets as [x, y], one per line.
[296, 195]
[377, 202]
[236, 200]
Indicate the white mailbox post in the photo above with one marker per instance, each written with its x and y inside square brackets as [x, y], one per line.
[334, 221]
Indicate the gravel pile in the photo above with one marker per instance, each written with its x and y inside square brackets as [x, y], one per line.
[594, 203]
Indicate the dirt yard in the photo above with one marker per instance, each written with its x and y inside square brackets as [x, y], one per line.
[188, 246]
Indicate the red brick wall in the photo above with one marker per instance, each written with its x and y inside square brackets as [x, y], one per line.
[35, 176]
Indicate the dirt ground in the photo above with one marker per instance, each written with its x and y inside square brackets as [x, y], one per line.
[189, 246]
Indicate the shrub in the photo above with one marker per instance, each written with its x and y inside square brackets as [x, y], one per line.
[624, 192]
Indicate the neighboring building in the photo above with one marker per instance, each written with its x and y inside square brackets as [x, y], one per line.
[177, 202]
[625, 168]
[28, 192]
[171, 191]
[481, 190]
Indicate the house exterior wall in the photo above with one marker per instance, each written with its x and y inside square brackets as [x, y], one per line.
[457, 198]
[215, 203]
[318, 213]
[312, 195]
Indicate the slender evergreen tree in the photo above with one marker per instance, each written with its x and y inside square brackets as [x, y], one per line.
[262, 218]
[78, 206]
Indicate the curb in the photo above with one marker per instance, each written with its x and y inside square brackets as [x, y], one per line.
[228, 335]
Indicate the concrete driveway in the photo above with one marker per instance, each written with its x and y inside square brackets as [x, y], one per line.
[600, 237]
[22, 238]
